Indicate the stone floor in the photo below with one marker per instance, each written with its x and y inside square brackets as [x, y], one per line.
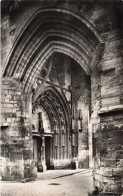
[52, 183]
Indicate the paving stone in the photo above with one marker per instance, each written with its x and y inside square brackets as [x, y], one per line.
[50, 183]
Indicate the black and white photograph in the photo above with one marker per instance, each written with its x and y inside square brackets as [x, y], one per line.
[61, 98]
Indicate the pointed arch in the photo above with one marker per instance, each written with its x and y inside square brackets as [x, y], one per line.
[58, 111]
[49, 30]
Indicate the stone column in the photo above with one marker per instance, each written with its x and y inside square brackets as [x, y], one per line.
[43, 155]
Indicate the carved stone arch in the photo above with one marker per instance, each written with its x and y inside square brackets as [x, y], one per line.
[55, 105]
[59, 96]
[49, 30]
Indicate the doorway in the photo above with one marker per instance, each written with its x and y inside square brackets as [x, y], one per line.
[48, 149]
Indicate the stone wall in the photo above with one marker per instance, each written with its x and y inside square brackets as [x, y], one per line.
[107, 126]
[108, 137]
[16, 138]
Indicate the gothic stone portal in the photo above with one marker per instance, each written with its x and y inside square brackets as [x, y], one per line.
[65, 64]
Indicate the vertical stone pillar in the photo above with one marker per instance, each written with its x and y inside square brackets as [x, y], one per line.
[16, 136]
[108, 136]
[69, 139]
[83, 143]
[30, 169]
[43, 155]
[90, 145]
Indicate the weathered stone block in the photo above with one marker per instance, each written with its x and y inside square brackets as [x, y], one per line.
[108, 162]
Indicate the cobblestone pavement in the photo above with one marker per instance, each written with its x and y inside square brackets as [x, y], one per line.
[52, 183]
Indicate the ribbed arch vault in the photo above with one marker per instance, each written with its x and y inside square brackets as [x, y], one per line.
[48, 31]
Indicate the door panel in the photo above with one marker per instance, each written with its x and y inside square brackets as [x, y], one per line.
[47, 151]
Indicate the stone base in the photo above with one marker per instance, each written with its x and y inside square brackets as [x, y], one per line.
[74, 164]
[44, 168]
[108, 194]
[105, 194]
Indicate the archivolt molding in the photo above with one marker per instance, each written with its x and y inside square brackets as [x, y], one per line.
[45, 88]
[51, 30]
[33, 72]
[54, 104]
